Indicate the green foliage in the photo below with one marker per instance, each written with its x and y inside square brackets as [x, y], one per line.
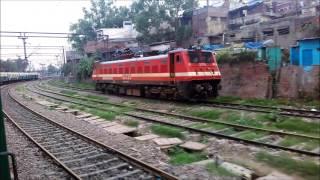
[298, 125]
[66, 69]
[96, 97]
[102, 14]
[13, 65]
[306, 169]
[226, 99]
[131, 123]
[52, 69]
[224, 56]
[70, 93]
[227, 57]
[218, 170]
[250, 135]
[212, 114]
[108, 115]
[167, 131]
[183, 33]
[179, 157]
[84, 69]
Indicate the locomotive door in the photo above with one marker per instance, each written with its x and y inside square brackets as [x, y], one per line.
[172, 74]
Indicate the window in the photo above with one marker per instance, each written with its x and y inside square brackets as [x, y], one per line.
[283, 31]
[178, 60]
[200, 57]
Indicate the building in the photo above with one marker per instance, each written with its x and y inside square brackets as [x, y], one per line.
[210, 23]
[306, 53]
[256, 11]
[283, 21]
[112, 39]
[73, 57]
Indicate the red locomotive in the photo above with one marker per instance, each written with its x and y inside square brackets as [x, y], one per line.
[180, 74]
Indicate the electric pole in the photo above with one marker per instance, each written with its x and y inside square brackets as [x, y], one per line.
[23, 37]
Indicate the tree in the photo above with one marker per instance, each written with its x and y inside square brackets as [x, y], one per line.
[84, 68]
[66, 69]
[159, 20]
[13, 65]
[102, 14]
[52, 69]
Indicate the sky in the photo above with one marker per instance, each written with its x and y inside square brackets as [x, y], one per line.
[44, 16]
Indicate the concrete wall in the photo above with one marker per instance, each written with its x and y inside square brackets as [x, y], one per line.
[294, 83]
[245, 79]
[253, 80]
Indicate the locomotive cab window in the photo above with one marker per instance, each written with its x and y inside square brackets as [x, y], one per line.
[200, 57]
[178, 60]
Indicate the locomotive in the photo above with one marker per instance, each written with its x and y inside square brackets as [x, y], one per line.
[180, 74]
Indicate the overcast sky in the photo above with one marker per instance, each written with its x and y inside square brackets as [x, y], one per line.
[42, 16]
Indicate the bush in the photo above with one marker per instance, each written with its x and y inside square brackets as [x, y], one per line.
[84, 69]
[224, 56]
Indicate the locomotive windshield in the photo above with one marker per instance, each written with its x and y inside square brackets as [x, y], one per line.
[200, 57]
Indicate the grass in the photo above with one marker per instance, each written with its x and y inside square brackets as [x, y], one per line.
[212, 114]
[167, 131]
[227, 99]
[178, 156]
[268, 102]
[242, 120]
[96, 97]
[218, 170]
[298, 125]
[20, 88]
[307, 144]
[103, 114]
[306, 169]
[290, 141]
[83, 85]
[70, 93]
[250, 135]
[131, 123]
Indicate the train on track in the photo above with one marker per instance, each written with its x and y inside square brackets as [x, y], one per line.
[10, 77]
[180, 74]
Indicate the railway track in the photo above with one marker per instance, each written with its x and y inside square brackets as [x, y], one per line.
[187, 123]
[79, 155]
[245, 107]
[265, 109]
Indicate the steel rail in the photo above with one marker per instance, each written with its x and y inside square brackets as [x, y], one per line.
[309, 153]
[61, 164]
[122, 155]
[258, 108]
[191, 118]
[245, 107]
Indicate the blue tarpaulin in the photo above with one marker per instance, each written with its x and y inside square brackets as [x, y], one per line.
[211, 47]
[253, 45]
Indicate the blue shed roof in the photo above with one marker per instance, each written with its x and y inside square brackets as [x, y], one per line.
[306, 39]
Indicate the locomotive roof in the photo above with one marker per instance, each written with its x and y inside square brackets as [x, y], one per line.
[149, 57]
[137, 59]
